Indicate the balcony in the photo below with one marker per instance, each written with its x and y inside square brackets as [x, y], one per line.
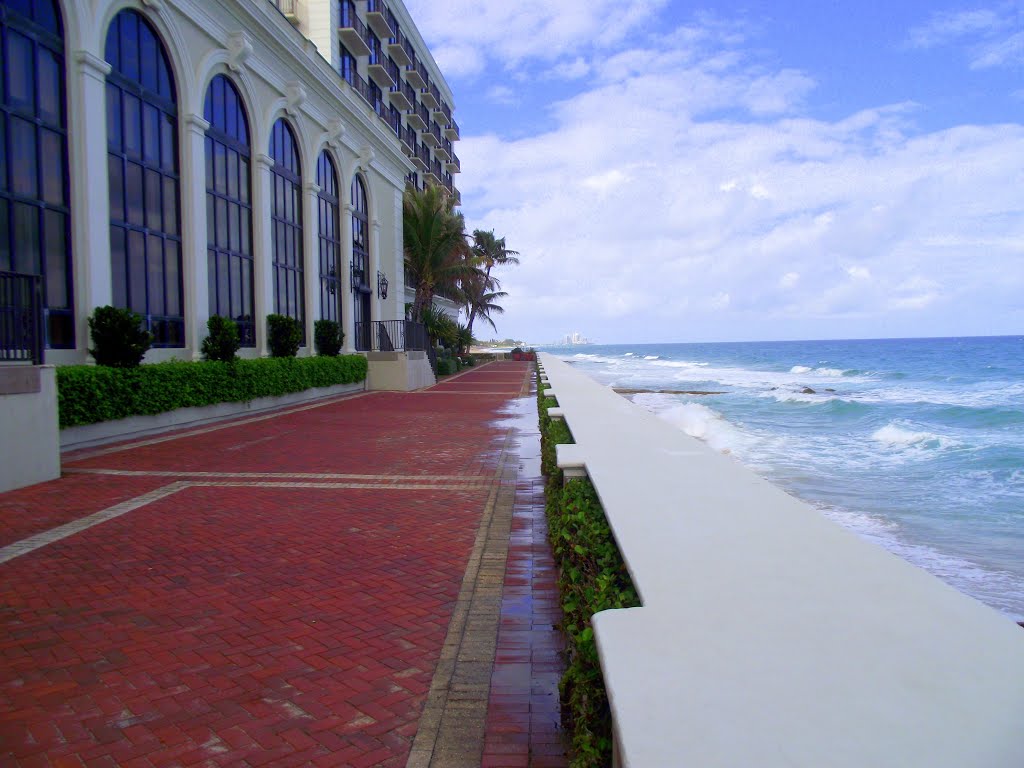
[360, 86]
[352, 31]
[434, 175]
[409, 143]
[453, 165]
[452, 131]
[456, 196]
[443, 114]
[403, 96]
[384, 71]
[418, 117]
[422, 158]
[415, 72]
[443, 151]
[431, 136]
[380, 18]
[397, 48]
[431, 96]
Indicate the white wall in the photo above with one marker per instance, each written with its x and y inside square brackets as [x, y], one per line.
[29, 441]
[770, 636]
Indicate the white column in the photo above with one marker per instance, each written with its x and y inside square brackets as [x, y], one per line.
[311, 260]
[348, 322]
[263, 251]
[399, 282]
[375, 264]
[193, 232]
[90, 202]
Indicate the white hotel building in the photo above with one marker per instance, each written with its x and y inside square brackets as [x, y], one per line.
[186, 158]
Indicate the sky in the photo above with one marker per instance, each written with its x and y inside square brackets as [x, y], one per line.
[741, 171]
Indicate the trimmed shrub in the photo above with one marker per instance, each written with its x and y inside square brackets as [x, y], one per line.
[284, 335]
[592, 578]
[223, 341]
[118, 337]
[468, 361]
[87, 394]
[445, 366]
[328, 337]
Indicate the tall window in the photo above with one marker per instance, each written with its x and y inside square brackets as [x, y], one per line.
[286, 222]
[34, 204]
[330, 239]
[229, 207]
[360, 263]
[346, 64]
[142, 166]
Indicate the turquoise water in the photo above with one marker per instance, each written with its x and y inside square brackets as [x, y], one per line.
[915, 444]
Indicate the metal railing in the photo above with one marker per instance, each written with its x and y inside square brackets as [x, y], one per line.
[349, 19]
[391, 336]
[21, 318]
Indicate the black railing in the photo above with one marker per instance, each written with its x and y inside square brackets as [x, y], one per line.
[390, 336]
[21, 317]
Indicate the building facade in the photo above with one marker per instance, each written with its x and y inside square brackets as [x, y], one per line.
[185, 158]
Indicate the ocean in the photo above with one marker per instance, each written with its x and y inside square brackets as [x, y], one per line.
[915, 444]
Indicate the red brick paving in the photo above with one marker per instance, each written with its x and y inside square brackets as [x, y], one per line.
[251, 626]
[524, 715]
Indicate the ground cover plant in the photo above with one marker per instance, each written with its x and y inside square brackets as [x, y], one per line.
[592, 578]
[87, 394]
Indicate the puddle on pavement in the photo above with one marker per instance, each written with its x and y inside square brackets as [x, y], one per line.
[520, 415]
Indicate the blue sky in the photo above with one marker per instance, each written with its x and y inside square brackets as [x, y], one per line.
[740, 171]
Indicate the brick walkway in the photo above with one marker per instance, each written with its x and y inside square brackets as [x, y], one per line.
[319, 586]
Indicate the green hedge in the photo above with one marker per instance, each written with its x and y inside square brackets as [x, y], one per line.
[592, 578]
[87, 394]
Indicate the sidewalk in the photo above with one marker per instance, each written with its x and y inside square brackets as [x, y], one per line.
[331, 584]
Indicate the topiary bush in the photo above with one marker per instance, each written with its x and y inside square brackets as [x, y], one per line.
[284, 335]
[328, 337]
[118, 337]
[87, 394]
[223, 342]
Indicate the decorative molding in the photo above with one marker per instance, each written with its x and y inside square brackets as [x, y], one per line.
[311, 188]
[336, 130]
[239, 50]
[264, 160]
[295, 96]
[366, 157]
[196, 124]
[92, 65]
[154, 5]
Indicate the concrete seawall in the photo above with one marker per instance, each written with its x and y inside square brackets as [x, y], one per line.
[770, 636]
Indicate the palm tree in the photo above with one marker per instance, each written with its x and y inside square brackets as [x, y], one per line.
[436, 251]
[480, 296]
[490, 251]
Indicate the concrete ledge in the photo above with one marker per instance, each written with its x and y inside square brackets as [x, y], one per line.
[140, 426]
[770, 636]
[20, 379]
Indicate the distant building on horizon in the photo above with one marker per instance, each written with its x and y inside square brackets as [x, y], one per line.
[575, 339]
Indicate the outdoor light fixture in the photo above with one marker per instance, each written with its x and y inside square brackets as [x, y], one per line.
[332, 284]
[354, 276]
[382, 285]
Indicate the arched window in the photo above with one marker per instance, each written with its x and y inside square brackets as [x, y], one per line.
[34, 204]
[286, 222]
[360, 264]
[142, 167]
[229, 207]
[330, 239]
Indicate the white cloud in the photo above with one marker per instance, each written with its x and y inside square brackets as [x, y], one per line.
[502, 94]
[993, 36]
[509, 33]
[654, 208]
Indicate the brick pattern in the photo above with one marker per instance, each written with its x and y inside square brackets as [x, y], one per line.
[245, 619]
[524, 715]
